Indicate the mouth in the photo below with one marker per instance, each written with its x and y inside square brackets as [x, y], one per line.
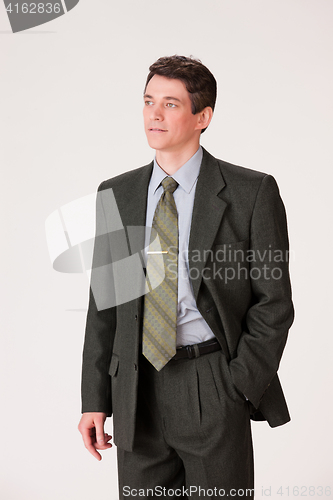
[155, 129]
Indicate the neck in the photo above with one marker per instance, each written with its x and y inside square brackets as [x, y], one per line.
[171, 161]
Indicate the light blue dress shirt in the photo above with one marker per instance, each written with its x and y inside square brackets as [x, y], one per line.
[191, 327]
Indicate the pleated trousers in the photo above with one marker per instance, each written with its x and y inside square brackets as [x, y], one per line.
[193, 434]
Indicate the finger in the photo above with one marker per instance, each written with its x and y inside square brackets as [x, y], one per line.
[89, 441]
[99, 426]
[94, 452]
[105, 446]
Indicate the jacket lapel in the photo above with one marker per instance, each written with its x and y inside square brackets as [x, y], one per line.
[132, 203]
[134, 211]
[207, 214]
[131, 199]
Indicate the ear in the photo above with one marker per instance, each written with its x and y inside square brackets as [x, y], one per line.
[204, 118]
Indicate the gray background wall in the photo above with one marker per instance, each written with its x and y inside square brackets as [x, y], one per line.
[71, 102]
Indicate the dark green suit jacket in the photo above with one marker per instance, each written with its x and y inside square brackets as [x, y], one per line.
[238, 258]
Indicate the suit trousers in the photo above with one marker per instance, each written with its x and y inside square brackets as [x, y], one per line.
[193, 433]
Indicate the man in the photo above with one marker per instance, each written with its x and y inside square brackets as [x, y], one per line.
[184, 367]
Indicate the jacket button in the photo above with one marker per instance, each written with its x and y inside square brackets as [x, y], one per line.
[136, 317]
[135, 367]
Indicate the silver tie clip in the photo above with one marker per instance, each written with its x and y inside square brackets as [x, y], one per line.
[158, 251]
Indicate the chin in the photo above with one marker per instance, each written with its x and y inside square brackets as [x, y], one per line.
[156, 144]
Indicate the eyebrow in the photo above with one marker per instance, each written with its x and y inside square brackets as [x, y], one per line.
[168, 98]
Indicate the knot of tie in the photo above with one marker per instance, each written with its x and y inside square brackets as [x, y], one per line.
[169, 184]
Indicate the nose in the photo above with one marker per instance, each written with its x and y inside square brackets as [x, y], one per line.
[156, 113]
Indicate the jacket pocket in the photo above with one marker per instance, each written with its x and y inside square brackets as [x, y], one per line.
[230, 253]
[113, 370]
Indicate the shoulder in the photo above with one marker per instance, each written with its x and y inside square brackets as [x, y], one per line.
[238, 172]
[242, 188]
[126, 178]
[246, 178]
[243, 178]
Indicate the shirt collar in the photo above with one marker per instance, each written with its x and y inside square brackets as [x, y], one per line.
[186, 175]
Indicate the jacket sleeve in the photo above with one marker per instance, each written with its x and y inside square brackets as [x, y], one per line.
[271, 314]
[100, 326]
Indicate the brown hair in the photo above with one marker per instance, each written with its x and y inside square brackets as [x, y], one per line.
[198, 80]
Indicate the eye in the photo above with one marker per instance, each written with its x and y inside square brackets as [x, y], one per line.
[171, 105]
[148, 103]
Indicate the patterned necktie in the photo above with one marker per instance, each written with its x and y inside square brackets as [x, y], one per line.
[160, 310]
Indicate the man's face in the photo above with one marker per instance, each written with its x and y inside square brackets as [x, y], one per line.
[169, 123]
